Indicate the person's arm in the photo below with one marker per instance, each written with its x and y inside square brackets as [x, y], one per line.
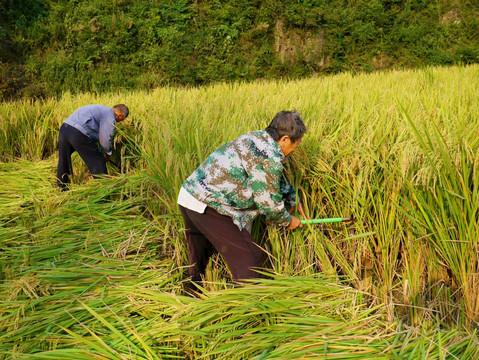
[291, 200]
[288, 191]
[265, 181]
[107, 128]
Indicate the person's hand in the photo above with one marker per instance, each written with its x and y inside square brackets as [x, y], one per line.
[295, 222]
[107, 157]
[299, 207]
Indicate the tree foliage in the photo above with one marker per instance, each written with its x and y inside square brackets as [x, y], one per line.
[48, 47]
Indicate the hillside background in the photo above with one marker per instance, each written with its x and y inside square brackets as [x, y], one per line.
[52, 46]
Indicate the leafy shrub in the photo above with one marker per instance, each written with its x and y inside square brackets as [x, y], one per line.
[96, 46]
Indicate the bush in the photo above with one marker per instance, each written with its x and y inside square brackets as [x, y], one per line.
[95, 46]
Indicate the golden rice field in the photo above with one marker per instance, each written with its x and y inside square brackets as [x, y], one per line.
[98, 272]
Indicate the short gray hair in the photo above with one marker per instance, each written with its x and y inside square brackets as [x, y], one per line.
[287, 123]
[123, 109]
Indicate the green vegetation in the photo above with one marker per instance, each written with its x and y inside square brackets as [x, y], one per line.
[98, 272]
[50, 47]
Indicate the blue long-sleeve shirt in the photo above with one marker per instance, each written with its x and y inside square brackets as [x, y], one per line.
[97, 122]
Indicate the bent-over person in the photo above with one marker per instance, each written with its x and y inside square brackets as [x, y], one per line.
[88, 131]
[239, 181]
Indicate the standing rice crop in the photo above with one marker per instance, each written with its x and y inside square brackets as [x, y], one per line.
[395, 150]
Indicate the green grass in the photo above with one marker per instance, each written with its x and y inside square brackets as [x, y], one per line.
[97, 272]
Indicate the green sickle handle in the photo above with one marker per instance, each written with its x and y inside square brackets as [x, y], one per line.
[323, 221]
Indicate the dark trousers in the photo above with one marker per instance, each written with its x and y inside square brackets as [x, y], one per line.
[71, 140]
[210, 232]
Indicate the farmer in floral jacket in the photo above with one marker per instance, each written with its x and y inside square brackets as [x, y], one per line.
[237, 182]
